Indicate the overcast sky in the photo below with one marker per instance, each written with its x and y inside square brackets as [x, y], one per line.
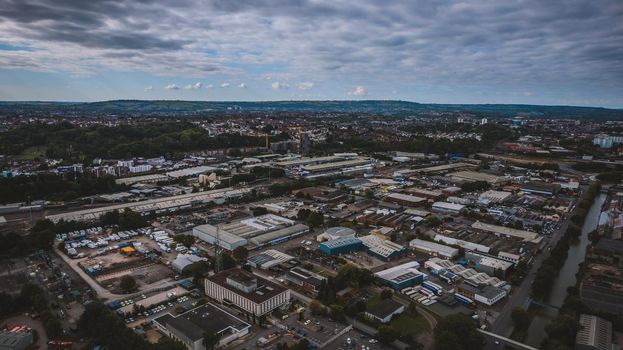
[498, 51]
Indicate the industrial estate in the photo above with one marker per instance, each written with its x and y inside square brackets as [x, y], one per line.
[334, 231]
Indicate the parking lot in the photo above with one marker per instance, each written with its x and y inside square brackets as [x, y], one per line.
[317, 330]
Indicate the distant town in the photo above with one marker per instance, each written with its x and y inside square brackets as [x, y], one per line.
[334, 229]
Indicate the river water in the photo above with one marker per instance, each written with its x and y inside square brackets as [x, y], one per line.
[566, 278]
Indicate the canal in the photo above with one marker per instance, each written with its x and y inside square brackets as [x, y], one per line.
[566, 278]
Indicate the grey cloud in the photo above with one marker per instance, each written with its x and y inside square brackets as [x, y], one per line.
[489, 42]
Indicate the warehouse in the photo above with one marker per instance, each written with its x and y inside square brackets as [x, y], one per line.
[191, 326]
[488, 264]
[208, 234]
[492, 196]
[473, 176]
[16, 338]
[405, 199]
[183, 261]
[194, 171]
[157, 205]
[434, 249]
[503, 231]
[402, 276]
[341, 246]
[268, 259]
[335, 232]
[445, 207]
[351, 166]
[385, 310]
[440, 169]
[278, 236]
[254, 295]
[261, 230]
[152, 178]
[488, 295]
[383, 249]
[422, 192]
[305, 279]
[539, 187]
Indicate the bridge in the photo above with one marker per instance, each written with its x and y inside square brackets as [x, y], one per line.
[507, 341]
[531, 301]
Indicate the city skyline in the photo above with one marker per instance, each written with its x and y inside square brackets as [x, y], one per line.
[554, 53]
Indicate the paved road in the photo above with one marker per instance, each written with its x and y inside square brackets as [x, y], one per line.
[503, 325]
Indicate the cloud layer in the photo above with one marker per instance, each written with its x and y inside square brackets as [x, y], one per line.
[529, 44]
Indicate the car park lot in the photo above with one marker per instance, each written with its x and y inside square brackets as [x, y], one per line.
[317, 330]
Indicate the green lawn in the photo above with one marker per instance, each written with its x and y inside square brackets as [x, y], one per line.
[408, 324]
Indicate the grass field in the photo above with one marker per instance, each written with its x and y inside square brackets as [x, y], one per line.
[31, 153]
[410, 325]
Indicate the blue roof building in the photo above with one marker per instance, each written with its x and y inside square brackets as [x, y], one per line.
[341, 245]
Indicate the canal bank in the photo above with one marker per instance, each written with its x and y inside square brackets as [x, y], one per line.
[567, 275]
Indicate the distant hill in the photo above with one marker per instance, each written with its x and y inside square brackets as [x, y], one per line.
[383, 107]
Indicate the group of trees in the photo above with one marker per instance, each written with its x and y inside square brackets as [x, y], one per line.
[105, 328]
[32, 299]
[23, 188]
[546, 274]
[491, 134]
[311, 217]
[457, 332]
[348, 276]
[150, 139]
[125, 220]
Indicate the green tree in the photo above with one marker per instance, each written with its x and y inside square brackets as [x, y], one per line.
[211, 340]
[461, 327]
[521, 318]
[127, 284]
[241, 253]
[387, 334]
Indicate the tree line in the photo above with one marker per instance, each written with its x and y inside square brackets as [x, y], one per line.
[547, 273]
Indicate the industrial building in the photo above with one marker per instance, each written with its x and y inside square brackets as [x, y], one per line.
[16, 338]
[156, 205]
[335, 233]
[194, 171]
[268, 259]
[341, 246]
[190, 327]
[493, 196]
[183, 261]
[151, 178]
[385, 310]
[434, 249]
[595, 333]
[473, 176]
[211, 234]
[445, 207]
[539, 187]
[488, 295]
[405, 199]
[305, 279]
[402, 276]
[488, 264]
[382, 248]
[260, 231]
[469, 275]
[506, 231]
[254, 295]
[278, 236]
[440, 169]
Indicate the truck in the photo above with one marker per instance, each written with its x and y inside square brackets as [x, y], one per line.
[463, 299]
[433, 287]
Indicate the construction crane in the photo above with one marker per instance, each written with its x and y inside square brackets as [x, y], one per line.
[218, 251]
